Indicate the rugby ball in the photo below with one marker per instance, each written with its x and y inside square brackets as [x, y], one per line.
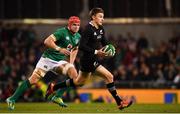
[109, 50]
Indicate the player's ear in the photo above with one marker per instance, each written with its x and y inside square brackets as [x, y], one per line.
[93, 17]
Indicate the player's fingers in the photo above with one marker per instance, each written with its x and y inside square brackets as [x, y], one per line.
[102, 52]
[102, 48]
[66, 52]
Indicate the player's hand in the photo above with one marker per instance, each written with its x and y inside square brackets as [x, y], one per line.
[75, 48]
[101, 53]
[64, 51]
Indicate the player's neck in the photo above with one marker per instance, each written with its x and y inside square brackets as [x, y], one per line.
[71, 31]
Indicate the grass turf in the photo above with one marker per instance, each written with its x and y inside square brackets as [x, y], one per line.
[89, 108]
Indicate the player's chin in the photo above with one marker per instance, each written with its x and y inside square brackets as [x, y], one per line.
[75, 30]
[100, 24]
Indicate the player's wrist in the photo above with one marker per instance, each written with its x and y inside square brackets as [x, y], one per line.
[57, 48]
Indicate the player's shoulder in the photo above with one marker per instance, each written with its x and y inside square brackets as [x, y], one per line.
[78, 34]
[62, 29]
[88, 28]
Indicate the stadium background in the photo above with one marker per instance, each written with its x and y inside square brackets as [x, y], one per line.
[146, 34]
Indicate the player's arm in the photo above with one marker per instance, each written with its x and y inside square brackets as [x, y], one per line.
[86, 35]
[50, 43]
[73, 55]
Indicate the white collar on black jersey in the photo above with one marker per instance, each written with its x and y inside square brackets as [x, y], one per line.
[93, 25]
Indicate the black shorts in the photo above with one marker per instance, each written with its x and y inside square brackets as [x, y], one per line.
[88, 64]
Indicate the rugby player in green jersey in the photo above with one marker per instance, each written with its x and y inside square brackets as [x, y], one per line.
[59, 57]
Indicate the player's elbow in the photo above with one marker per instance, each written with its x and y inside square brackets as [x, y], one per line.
[47, 41]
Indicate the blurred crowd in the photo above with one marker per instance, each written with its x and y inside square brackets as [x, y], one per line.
[135, 62]
[20, 50]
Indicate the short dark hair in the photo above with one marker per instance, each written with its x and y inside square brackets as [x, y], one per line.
[94, 11]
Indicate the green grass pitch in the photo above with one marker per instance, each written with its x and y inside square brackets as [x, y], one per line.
[89, 108]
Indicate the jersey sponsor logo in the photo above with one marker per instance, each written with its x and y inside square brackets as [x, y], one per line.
[99, 37]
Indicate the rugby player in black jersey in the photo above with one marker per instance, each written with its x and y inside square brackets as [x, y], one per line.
[93, 37]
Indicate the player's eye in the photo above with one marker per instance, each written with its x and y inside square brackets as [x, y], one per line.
[76, 24]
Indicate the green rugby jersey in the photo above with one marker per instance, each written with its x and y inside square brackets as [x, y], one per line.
[64, 39]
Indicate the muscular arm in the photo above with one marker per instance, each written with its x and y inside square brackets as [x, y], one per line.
[50, 43]
[73, 54]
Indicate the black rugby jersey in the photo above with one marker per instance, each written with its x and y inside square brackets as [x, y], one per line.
[92, 39]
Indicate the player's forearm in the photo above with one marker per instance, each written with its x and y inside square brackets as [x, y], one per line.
[73, 55]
